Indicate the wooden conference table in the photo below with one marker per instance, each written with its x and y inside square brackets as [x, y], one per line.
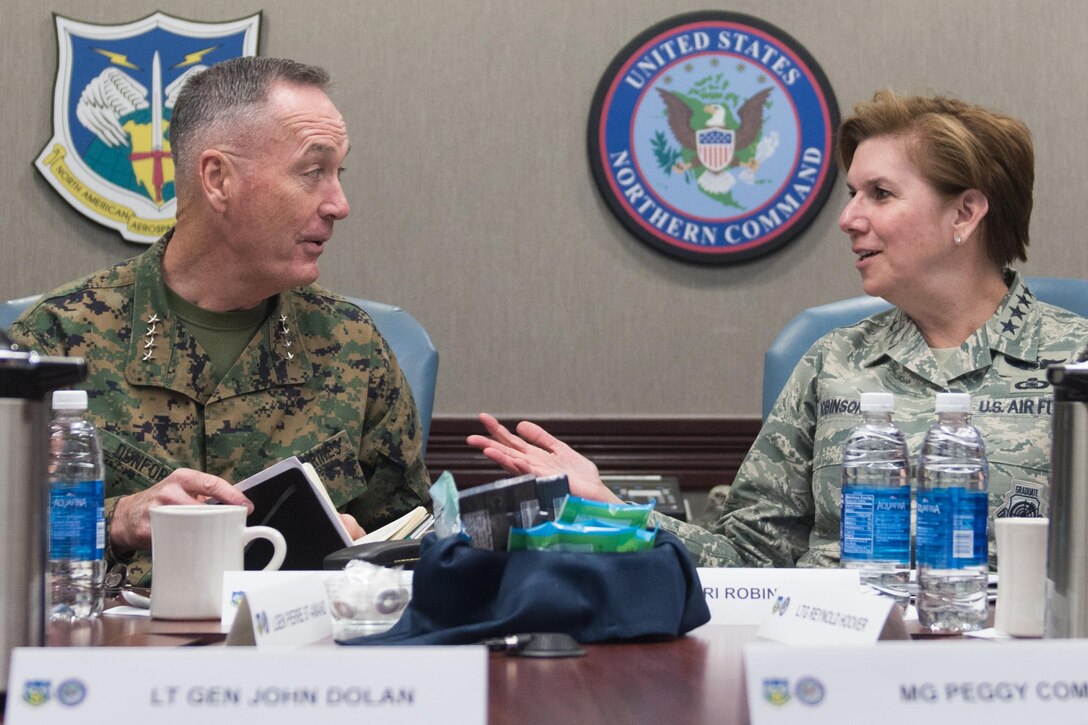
[694, 679]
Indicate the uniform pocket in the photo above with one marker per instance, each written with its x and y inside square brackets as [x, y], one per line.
[337, 464]
[831, 434]
[128, 468]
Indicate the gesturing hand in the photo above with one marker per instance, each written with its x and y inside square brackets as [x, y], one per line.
[536, 451]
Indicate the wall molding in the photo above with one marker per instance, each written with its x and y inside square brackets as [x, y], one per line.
[700, 452]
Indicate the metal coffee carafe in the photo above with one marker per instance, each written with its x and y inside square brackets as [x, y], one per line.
[25, 381]
[1067, 546]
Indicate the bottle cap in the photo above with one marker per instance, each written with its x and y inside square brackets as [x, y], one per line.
[953, 403]
[69, 400]
[877, 402]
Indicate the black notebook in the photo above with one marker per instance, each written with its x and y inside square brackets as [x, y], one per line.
[290, 498]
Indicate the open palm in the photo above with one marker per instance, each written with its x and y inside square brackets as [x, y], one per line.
[535, 451]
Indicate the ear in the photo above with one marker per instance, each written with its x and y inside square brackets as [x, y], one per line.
[215, 170]
[969, 209]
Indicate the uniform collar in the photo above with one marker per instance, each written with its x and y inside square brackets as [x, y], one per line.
[162, 354]
[1010, 331]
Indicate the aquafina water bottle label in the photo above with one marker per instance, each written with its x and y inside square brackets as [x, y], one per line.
[76, 529]
[876, 524]
[952, 528]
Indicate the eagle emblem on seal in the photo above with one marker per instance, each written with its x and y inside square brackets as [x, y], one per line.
[718, 144]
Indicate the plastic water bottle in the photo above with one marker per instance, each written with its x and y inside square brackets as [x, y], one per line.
[953, 507]
[875, 534]
[77, 531]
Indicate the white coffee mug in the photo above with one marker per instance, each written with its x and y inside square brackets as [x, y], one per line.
[1021, 576]
[191, 547]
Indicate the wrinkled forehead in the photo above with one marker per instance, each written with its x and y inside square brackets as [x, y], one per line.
[320, 136]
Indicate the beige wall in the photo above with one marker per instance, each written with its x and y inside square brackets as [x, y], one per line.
[474, 208]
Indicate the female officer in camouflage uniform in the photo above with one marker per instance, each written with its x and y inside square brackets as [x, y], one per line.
[941, 196]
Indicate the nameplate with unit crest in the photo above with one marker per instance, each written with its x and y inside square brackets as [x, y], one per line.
[229, 685]
[951, 682]
[747, 596]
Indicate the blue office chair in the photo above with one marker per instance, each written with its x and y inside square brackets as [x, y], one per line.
[13, 308]
[797, 336]
[415, 352]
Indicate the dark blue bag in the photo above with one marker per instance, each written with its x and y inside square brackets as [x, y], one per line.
[461, 595]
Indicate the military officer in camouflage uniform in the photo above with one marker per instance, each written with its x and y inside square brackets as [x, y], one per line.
[213, 354]
[941, 198]
[1003, 367]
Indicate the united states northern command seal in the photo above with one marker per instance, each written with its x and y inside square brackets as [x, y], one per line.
[116, 85]
[710, 137]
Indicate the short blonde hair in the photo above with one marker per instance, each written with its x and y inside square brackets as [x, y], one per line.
[958, 146]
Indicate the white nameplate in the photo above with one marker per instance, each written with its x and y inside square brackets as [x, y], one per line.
[811, 615]
[213, 685]
[745, 596]
[1040, 681]
[237, 583]
[290, 613]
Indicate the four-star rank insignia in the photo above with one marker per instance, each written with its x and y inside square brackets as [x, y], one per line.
[116, 87]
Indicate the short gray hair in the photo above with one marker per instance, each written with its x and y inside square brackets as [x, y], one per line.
[232, 91]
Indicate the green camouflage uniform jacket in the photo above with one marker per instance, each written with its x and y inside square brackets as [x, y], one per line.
[316, 381]
[784, 506]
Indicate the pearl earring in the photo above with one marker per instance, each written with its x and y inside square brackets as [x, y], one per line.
[957, 240]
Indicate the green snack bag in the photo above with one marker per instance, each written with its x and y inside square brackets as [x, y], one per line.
[579, 510]
[585, 538]
[446, 506]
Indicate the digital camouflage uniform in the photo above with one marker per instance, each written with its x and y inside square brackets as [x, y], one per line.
[316, 381]
[784, 506]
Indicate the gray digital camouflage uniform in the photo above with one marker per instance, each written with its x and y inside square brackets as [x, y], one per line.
[316, 381]
[784, 506]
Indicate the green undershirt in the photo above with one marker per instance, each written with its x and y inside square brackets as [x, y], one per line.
[223, 335]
